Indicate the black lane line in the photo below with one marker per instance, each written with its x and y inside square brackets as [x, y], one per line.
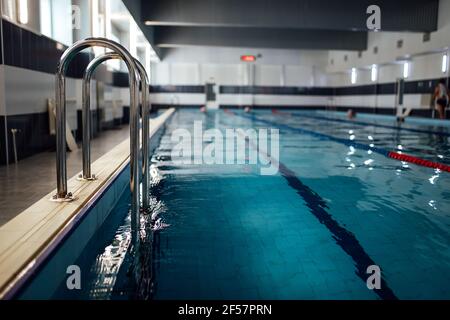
[363, 123]
[343, 237]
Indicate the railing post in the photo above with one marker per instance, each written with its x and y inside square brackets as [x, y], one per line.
[86, 113]
[145, 136]
[62, 193]
[87, 175]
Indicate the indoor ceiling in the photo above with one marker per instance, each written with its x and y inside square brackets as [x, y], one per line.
[287, 24]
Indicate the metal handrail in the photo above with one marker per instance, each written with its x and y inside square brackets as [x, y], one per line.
[146, 134]
[85, 114]
[62, 194]
[86, 146]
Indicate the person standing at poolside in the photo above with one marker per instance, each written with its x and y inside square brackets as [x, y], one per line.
[440, 98]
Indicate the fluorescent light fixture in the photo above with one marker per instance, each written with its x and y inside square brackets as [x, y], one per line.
[23, 11]
[353, 76]
[444, 67]
[406, 69]
[133, 38]
[374, 73]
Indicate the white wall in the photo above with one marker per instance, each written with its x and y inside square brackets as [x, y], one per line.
[24, 91]
[273, 67]
[425, 62]
[196, 65]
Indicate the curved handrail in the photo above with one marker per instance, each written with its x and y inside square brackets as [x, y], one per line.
[61, 168]
[87, 175]
[85, 114]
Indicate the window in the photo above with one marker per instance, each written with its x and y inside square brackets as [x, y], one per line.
[406, 70]
[23, 11]
[16, 10]
[9, 9]
[113, 64]
[353, 76]
[56, 20]
[374, 73]
[45, 12]
[444, 66]
[98, 24]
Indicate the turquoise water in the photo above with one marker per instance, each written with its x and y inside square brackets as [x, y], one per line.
[308, 232]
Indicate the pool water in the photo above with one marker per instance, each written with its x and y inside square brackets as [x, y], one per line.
[336, 206]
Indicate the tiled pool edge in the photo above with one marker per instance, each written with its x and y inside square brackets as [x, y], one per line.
[106, 193]
[93, 214]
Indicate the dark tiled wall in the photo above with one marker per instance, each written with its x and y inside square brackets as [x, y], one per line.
[33, 134]
[28, 50]
[179, 89]
[411, 87]
[2, 140]
[25, 49]
[94, 124]
[120, 79]
[315, 91]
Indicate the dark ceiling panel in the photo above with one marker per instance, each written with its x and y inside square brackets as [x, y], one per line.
[290, 24]
[398, 15]
[260, 38]
[135, 9]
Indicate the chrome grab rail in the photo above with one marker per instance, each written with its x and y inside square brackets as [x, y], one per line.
[62, 194]
[146, 136]
[86, 146]
[86, 116]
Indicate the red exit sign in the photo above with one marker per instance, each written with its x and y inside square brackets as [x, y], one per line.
[248, 58]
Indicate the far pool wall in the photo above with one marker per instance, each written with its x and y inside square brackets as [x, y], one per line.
[264, 85]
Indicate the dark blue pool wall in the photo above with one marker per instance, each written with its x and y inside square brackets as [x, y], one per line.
[44, 280]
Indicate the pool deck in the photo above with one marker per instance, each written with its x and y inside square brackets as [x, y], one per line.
[33, 232]
[26, 182]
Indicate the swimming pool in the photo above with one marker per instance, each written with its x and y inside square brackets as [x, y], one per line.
[337, 205]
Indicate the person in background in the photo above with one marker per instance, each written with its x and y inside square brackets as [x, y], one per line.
[247, 109]
[440, 98]
[351, 114]
[203, 109]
